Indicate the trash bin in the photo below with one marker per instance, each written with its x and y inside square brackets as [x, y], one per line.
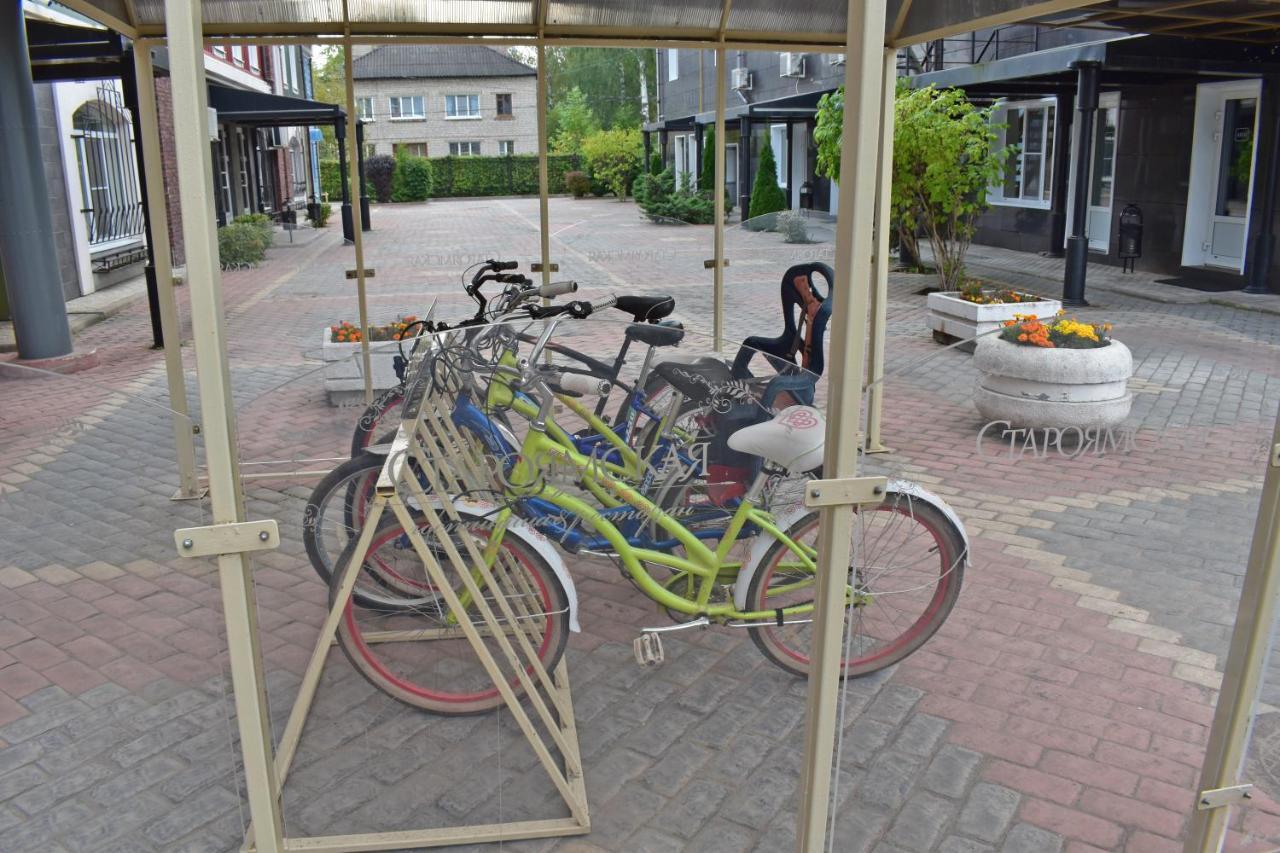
[1130, 236]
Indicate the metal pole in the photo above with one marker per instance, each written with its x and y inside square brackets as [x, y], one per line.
[544, 181]
[880, 294]
[365, 224]
[26, 220]
[129, 84]
[1242, 676]
[340, 135]
[195, 190]
[357, 220]
[1265, 240]
[858, 149]
[162, 259]
[1078, 242]
[717, 280]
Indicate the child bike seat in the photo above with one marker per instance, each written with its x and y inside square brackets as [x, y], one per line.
[646, 309]
[805, 312]
[792, 439]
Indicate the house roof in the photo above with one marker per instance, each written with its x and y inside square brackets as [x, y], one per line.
[416, 61]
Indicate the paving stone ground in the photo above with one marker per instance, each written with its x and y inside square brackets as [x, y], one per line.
[1064, 705]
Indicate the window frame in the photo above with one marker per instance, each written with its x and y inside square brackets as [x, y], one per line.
[673, 64]
[470, 100]
[361, 100]
[506, 147]
[396, 147]
[395, 104]
[1045, 153]
[498, 101]
[456, 145]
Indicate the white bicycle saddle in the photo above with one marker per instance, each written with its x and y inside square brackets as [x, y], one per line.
[793, 439]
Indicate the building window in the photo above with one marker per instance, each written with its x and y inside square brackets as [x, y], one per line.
[112, 207]
[1028, 178]
[506, 147]
[462, 106]
[220, 51]
[504, 105]
[255, 58]
[411, 149]
[464, 149]
[237, 54]
[406, 107]
[778, 140]
[673, 65]
[364, 108]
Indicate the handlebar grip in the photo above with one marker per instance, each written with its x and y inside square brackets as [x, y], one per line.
[578, 383]
[498, 266]
[557, 288]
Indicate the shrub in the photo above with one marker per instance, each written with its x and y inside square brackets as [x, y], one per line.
[331, 179]
[577, 183]
[323, 211]
[570, 122]
[766, 195]
[241, 244]
[1058, 333]
[514, 175]
[380, 172]
[413, 178]
[791, 225]
[655, 163]
[614, 158]
[661, 201]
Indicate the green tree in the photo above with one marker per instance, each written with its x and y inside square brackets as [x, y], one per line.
[707, 178]
[944, 159]
[766, 195]
[329, 82]
[614, 158]
[618, 84]
[570, 122]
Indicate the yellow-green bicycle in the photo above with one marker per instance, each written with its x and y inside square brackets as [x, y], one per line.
[752, 569]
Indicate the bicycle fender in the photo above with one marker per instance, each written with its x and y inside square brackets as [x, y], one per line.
[535, 540]
[903, 487]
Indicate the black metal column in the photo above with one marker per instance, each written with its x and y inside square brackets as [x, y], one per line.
[1263, 236]
[648, 150]
[129, 85]
[698, 132]
[26, 219]
[340, 134]
[744, 167]
[1078, 242]
[1061, 176]
[791, 142]
[364, 188]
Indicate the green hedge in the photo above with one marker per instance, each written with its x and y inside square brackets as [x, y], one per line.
[331, 179]
[515, 175]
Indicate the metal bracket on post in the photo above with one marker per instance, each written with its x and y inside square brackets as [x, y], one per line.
[233, 538]
[710, 263]
[1220, 797]
[859, 491]
[369, 272]
[536, 266]
[1275, 456]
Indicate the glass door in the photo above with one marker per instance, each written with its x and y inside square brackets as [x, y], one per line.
[1229, 223]
[1103, 173]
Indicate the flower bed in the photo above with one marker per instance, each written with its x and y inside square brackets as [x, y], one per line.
[344, 365]
[976, 310]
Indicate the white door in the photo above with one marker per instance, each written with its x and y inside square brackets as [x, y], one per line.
[1222, 165]
[1102, 173]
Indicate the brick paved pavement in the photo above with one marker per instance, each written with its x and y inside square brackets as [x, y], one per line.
[1063, 707]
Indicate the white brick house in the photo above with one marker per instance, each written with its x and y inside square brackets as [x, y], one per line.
[439, 100]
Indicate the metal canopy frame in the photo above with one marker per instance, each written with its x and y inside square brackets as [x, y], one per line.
[868, 32]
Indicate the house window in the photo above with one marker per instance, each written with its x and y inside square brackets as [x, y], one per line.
[255, 58]
[462, 106]
[506, 147]
[364, 108]
[504, 105]
[406, 106]
[412, 149]
[219, 51]
[112, 208]
[464, 149]
[673, 65]
[1028, 178]
[778, 140]
[237, 54]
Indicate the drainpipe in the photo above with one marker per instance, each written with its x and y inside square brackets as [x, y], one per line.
[1264, 241]
[1078, 243]
[340, 134]
[26, 219]
[129, 83]
[364, 187]
[744, 166]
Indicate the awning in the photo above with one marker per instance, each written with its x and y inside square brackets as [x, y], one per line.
[260, 109]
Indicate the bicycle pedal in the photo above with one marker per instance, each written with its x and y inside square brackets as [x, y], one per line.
[648, 650]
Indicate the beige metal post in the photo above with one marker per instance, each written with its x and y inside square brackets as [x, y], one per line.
[858, 146]
[544, 181]
[1242, 678]
[357, 218]
[195, 183]
[880, 294]
[717, 292]
[184, 442]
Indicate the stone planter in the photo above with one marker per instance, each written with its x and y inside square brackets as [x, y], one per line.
[1040, 388]
[953, 317]
[344, 369]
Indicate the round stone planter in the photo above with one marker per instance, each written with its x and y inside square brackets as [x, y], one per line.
[1040, 388]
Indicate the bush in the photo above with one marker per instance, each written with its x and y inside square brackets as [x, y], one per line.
[331, 179]
[791, 225]
[614, 158]
[323, 211]
[766, 195]
[242, 244]
[655, 163]
[577, 183]
[380, 172]
[513, 175]
[661, 201]
[413, 178]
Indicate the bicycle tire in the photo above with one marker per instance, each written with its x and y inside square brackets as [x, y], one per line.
[785, 646]
[434, 684]
[375, 415]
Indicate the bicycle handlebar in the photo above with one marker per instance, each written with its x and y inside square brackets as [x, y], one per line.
[557, 288]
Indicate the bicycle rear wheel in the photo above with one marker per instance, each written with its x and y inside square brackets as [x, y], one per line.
[905, 576]
[420, 655]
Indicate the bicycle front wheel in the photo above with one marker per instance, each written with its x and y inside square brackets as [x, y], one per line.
[904, 578]
[421, 655]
